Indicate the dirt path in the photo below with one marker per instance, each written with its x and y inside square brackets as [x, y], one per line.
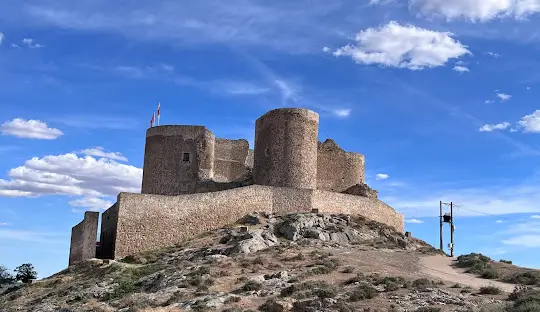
[440, 267]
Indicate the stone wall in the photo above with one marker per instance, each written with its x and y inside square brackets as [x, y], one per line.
[230, 160]
[109, 220]
[84, 238]
[150, 221]
[286, 148]
[337, 170]
[175, 157]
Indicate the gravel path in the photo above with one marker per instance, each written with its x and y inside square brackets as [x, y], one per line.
[440, 267]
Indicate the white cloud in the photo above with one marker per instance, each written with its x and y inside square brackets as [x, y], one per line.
[475, 10]
[528, 240]
[71, 175]
[460, 69]
[416, 221]
[530, 123]
[32, 43]
[346, 112]
[381, 176]
[1, 37]
[499, 221]
[410, 47]
[92, 203]
[535, 216]
[493, 54]
[244, 88]
[13, 45]
[100, 152]
[29, 129]
[489, 101]
[326, 49]
[503, 96]
[499, 126]
[4, 224]
[528, 88]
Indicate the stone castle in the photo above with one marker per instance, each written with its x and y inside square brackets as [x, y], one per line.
[194, 182]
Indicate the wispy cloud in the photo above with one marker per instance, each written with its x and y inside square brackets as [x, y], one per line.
[31, 236]
[91, 121]
[31, 43]
[1, 38]
[504, 97]
[100, 152]
[499, 126]
[460, 69]
[415, 221]
[381, 176]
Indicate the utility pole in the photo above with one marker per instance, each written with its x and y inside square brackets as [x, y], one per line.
[441, 226]
[451, 229]
[447, 218]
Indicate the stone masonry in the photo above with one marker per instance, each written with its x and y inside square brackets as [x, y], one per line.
[194, 182]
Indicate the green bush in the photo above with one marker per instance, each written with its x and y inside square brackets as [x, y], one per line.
[5, 276]
[505, 261]
[422, 284]
[524, 278]
[490, 290]
[25, 272]
[363, 292]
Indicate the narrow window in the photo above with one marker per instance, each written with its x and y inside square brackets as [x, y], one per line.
[185, 158]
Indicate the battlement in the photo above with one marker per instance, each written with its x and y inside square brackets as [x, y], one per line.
[194, 182]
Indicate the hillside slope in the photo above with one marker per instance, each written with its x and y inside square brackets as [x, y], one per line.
[297, 262]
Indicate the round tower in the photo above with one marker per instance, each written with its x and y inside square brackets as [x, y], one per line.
[286, 148]
[176, 158]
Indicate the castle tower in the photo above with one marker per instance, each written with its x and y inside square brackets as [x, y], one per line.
[286, 148]
[176, 158]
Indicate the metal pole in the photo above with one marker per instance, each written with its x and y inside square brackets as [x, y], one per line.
[451, 230]
[440, 226]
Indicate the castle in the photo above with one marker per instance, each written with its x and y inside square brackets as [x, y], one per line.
[194, 182]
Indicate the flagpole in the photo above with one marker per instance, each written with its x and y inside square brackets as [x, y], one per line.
[158, 112]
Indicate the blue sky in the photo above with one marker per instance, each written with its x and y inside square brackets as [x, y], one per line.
[440, 96]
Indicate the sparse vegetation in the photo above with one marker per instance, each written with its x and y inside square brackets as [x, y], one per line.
[490, 290]
[5, 276]
[25, 272]
[363, 292]
[422, 284]
[505, 261]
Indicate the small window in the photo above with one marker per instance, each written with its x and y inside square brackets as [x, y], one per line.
[185, 158]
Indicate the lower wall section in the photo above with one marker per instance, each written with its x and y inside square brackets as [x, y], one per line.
[150, 221]
[84, 238]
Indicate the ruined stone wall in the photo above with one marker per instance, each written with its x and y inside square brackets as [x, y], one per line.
[286, 148]
[371, 208]
[337, 170]
[151, 221]
[175, 158]
[109, 220]
[230, 160]
[84, 238]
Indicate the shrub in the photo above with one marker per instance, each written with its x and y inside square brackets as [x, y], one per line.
[25, 272]
[356, 279]
[348, 269]
[391, 283]
[428, 309]
[524, 278]
[317, 288]
[252, 286]
[490, 273]
[270, 305]
[422, 283]
[467, 261]
[505, 261]
[363, 292]
[490, 290]
[5, 276]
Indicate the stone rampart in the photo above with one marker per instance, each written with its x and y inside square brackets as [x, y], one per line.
[148, 221]
[230, 160]
[337, 170]
[84, 238]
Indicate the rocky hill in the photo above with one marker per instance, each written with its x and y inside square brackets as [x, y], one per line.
[297, 262]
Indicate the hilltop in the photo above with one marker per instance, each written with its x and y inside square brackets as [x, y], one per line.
[295, 262]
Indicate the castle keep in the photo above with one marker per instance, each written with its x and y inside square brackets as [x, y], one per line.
[194, 182]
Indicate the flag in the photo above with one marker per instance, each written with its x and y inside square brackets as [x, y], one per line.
[152, 120]
[158, 112]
